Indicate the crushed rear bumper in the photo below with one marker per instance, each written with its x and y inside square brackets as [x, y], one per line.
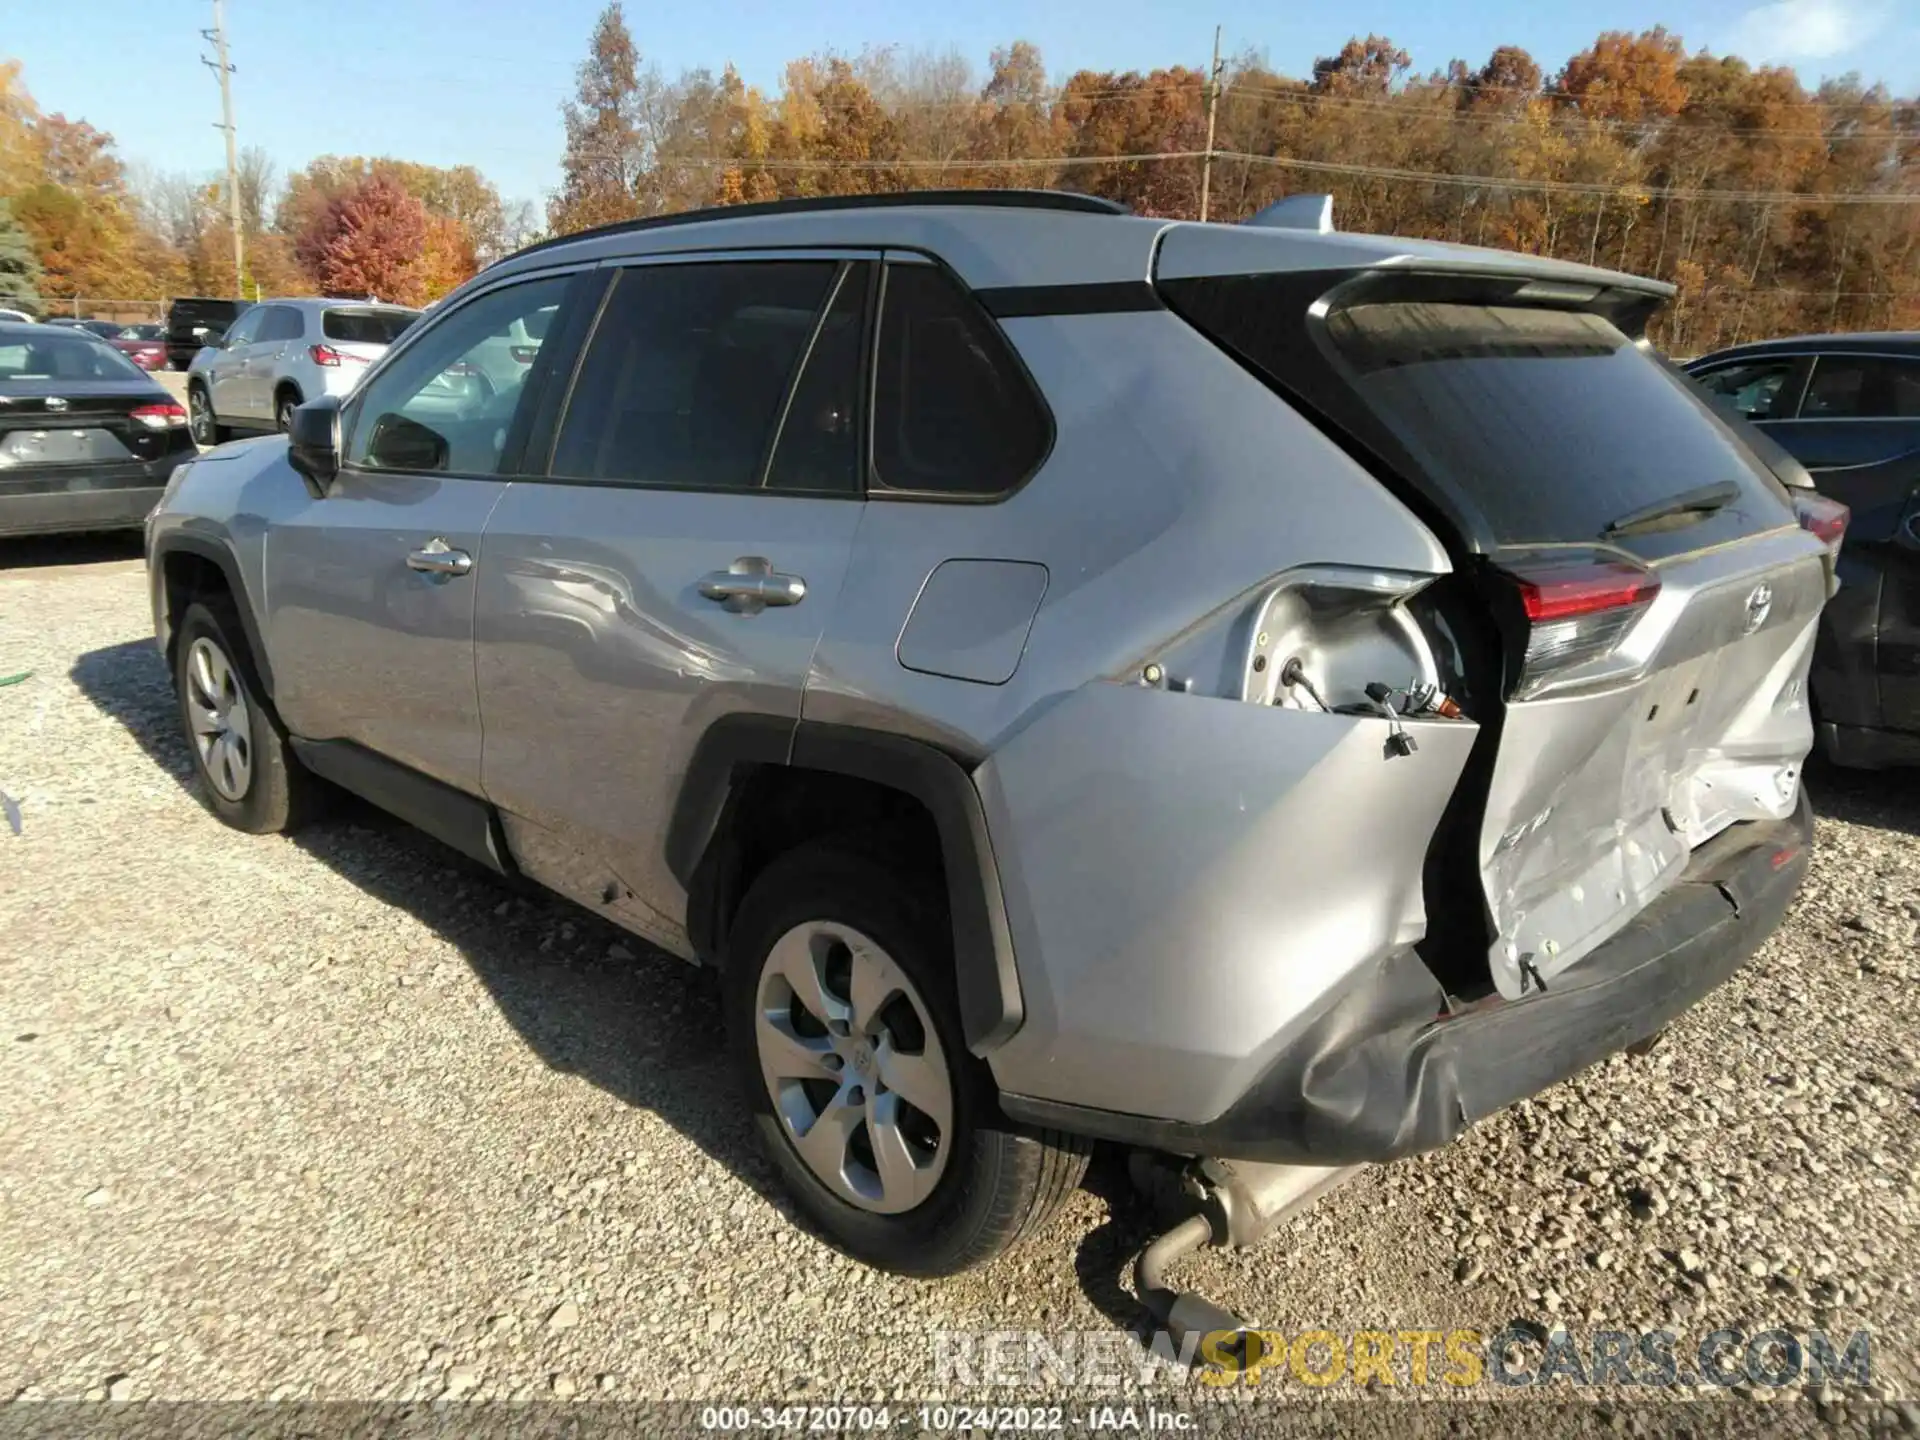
[1377, 1071]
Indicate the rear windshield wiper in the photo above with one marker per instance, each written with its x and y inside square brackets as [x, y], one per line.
[1683, 508]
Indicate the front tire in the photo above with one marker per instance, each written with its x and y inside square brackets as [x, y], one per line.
[844, 1025]
[202, 423]
[248, 774]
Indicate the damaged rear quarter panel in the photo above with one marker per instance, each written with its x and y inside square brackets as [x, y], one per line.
[1186, 875]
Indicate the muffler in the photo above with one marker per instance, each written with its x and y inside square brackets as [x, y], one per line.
[1235, 1203]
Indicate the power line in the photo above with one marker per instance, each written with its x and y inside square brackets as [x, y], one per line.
[1331, 167]
[1585, 187]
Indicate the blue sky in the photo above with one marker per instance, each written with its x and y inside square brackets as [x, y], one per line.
[479, 82]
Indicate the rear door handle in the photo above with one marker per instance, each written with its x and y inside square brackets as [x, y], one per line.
[437, 557]
[750, 584]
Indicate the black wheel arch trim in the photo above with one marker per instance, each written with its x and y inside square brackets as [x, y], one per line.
[224, 561]
[986, 978]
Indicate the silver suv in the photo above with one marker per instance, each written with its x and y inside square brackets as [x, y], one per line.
[1251, 693]
[281, 353]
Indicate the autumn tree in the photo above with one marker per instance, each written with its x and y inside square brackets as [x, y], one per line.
[605, 152]
[1161, 112]
[376, 244]
[1015, 122]
[1627, 77]
[19, 267]
[1366, 67]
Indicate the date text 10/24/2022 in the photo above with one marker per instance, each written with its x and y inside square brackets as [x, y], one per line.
[943, 1419]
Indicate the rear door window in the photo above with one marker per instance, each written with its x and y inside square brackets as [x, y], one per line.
[819, 446]
[687, 374]
[277, 323]
[1863, 387]
[954, 411]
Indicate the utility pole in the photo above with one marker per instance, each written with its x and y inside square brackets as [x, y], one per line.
[1213, 98]
[221, 67]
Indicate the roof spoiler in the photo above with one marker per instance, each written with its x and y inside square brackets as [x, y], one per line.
[1297, 212]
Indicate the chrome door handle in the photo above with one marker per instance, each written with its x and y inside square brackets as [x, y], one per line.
[437, 557]
[750, 584]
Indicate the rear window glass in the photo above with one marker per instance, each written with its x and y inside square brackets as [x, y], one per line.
[1552, 422]
[366, 327]
[63, 357]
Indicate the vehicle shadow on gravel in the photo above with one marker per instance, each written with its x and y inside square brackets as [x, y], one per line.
[588, 998]
[1882, 799]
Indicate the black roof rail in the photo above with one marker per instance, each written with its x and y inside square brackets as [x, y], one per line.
[1071, 200]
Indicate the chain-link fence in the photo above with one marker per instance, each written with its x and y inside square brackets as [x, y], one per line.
[89, 307]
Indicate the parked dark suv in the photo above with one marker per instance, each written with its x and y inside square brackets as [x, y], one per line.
[1848, 408]
[194, 320]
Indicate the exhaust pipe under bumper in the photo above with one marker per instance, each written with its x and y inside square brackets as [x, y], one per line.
[1236, 1203]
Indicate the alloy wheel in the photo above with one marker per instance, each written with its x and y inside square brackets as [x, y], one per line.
[200, 420]
[221, 721]
[854, 1066]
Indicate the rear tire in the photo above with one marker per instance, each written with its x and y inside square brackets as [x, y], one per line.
[961, 1184]
[284, 404]
[248, 774]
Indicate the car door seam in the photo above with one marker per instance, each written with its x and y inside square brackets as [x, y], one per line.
[473, 638]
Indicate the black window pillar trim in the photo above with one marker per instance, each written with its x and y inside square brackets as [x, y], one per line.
[985, 976]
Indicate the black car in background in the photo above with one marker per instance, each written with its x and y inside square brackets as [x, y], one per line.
[195, 319]
[105, 329]
[1847, 407]
[88, 439]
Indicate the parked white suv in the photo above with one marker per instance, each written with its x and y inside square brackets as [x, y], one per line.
[282, 353]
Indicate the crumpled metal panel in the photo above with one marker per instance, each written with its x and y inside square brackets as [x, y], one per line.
[1598, 798]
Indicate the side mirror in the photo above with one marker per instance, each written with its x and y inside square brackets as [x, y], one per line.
[398, 443]
[313, 443]
[212, 342]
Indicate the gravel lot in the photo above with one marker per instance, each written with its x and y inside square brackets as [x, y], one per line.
[341, 1117]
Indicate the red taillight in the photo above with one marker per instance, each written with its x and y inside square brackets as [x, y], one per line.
[164, 416]
[1579, 606]
[1824, 518]
[1559, 590]
[324, 354]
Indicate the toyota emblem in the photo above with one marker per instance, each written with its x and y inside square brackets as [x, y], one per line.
[54, 402]
[1759, 606]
